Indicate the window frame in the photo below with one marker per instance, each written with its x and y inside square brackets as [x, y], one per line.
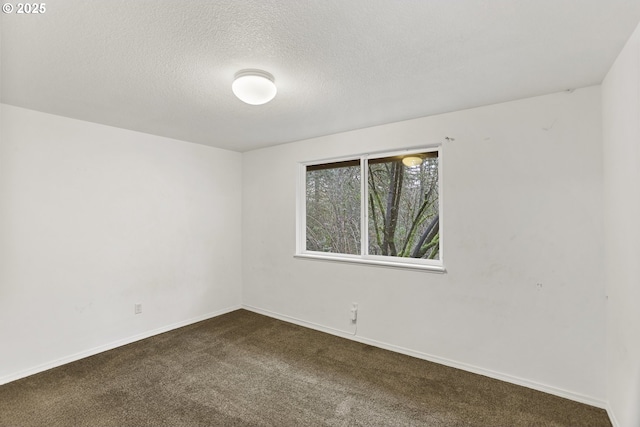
[364, 257]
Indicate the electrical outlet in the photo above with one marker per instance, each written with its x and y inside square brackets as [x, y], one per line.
[354, 312]
[137, 308]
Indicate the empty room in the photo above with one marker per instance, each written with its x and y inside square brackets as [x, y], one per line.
[320, 213]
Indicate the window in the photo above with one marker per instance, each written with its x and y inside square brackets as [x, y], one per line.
[376, 209]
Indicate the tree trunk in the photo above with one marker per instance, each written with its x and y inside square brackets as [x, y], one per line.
[391, 215]
[428, 234]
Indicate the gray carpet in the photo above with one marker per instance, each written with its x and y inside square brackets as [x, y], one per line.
[244, 369]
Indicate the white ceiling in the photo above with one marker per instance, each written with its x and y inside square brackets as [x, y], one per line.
[166, 67]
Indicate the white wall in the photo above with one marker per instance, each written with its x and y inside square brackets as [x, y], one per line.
[94, 219]
[621, 130]
[522, 207]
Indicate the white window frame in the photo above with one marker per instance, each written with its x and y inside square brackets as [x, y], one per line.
[364, 257]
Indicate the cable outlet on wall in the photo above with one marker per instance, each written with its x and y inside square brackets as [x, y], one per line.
[354, 312]
[137, 308]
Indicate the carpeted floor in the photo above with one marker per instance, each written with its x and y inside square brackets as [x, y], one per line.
[244, 369]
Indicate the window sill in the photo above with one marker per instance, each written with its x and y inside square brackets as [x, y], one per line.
[374, 262]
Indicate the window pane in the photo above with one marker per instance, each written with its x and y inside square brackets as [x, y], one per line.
[403, 207]
[333, 208]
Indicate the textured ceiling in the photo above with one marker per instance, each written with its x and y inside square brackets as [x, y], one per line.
[166, 67]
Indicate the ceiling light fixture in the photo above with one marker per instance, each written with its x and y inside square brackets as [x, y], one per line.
[412, 161]
[255, 87]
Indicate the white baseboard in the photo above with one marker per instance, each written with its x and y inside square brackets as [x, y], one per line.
[443, 361]
[112, 345]
[612, 416]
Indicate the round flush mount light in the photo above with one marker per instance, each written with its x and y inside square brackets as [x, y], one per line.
[412, 161]
[254, 87]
